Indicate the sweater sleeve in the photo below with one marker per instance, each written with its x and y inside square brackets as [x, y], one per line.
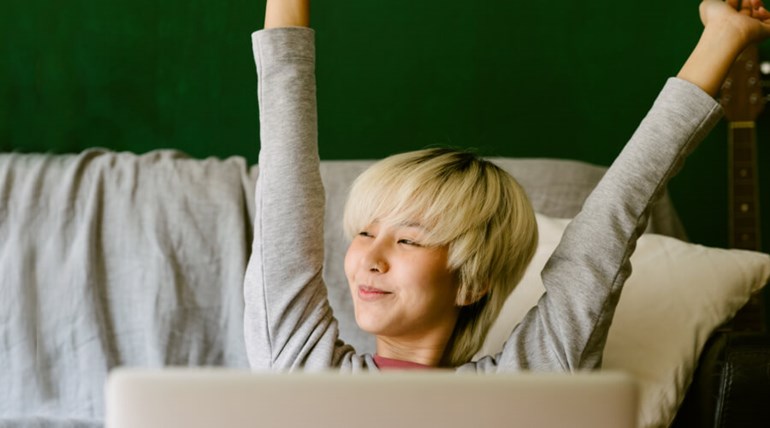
[567, 329]
[288, 322]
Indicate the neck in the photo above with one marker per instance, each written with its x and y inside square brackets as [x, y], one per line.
[423, 351]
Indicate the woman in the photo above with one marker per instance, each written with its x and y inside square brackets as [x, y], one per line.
[439, 238]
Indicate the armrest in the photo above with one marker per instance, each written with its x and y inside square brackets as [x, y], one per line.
[731, 387]
[744, 384]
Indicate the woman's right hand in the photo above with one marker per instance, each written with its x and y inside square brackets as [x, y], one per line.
[728, 30]
[750, 22]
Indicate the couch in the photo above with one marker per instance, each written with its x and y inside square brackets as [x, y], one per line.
[116, 259]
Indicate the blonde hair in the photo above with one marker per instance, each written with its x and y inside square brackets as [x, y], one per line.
[467, 203]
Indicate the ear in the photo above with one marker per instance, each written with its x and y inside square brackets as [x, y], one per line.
[468, 294]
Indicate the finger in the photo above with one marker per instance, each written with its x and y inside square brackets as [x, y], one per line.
[756, 5]
[761, 13]
[748, 4]
[746, 7]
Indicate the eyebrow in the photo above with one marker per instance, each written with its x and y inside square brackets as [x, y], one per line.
[411, 224]
[407, 224]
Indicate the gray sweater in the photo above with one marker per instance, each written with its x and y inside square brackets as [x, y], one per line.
[288, 321]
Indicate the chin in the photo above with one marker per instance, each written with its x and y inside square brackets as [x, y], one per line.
[366, 326]
[369, 323]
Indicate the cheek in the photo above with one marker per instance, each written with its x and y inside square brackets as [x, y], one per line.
[350, 261]
[433, 272]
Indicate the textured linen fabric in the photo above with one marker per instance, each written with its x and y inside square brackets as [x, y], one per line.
[110, 259]
[288, 321]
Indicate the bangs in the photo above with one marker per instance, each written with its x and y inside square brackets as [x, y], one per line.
[444, 191]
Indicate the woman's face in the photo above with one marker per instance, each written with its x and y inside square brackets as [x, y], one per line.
[401, 289]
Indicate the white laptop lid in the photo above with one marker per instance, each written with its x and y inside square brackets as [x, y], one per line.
[200, 398]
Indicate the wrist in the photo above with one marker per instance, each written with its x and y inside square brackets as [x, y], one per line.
[719, 45]
[726, 37]
[287, 13]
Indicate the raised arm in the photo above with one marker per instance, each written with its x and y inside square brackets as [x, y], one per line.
[585, 275]
[288, 323]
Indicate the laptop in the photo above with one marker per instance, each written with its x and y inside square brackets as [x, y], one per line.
[198, 398]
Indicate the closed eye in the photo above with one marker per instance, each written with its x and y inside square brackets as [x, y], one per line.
[365, 234]
[409, 242]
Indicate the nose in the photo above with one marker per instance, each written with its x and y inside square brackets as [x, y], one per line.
[378, 266]
[375, 259]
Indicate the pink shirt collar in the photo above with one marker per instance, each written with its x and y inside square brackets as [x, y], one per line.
[391, 364]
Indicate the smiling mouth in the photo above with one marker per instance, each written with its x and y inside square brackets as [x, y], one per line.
[366, 292]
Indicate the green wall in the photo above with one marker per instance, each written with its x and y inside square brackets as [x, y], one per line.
[565, 79]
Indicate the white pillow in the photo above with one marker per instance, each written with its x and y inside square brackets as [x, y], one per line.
[675, 298]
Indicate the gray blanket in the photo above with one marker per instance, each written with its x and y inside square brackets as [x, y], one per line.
[113, 259]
